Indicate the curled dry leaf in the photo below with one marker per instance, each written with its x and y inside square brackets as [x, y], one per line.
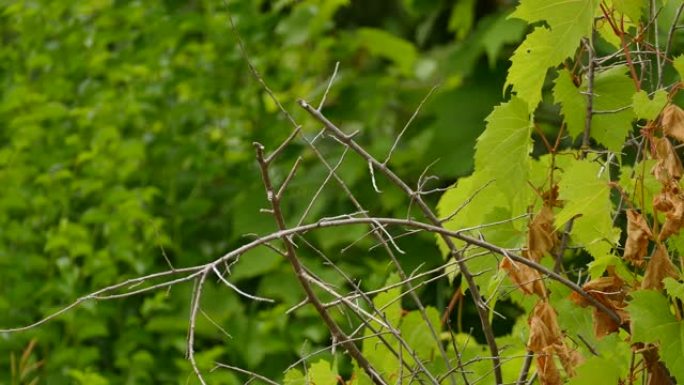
[526, 278]
[659, 267]
[544, 329]
[541, 237]
[673, 122]
[611, 292]
[671, 202]
[668, 166]
[657, 374]
[546, 368]
[638, 235]
[546, 340]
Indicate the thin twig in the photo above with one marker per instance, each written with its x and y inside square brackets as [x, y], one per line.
[408, 123]
[300, 273]
[427, 211]
[668, 44]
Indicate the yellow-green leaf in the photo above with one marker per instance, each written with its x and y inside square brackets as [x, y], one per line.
[649, 108]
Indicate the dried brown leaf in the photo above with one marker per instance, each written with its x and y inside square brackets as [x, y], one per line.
[669, 166]
[603, 323]
[544, 329]
[671, 202]
[569, 358]
[526, 278]
[547, 370]
[638, 234]
[674, 219]
[659, 267]
[673, 122]
[541, 237]
[611, 292]
[546, 339]
[657, 374]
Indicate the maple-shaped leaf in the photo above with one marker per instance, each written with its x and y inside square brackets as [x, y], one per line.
[573, 103]
[638, 235]
[502, 151]
[470, 204]
[586, 194]
[320, 373]
[649, 108]
[568, 20]
[652, 322]
[466, 204]
[613, 91]
[659, 267]
[673, 122]
[612, 97]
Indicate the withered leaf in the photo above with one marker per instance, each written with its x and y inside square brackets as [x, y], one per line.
[671, 202]
[673, 122]
[526, 278]
[610, 291]
[657, 373]
[546, 340]
[569, 358]
[544, 329]
[669, 166]
[638, 234]
[547, 370]
[603, 323]
[659, 267]
[541, 237]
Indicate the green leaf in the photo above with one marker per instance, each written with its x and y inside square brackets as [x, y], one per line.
[646, 108]
[462, 17]
[572, 102]
[678, 64]
[467, 203]
[631, 8]
[586, 193]
[652, 322]
[596, 370]
[476, 204]
[674, 288]
[640, 183]
[418, 335]
[320, 373]
[569, 21]
[574, 17]
[529, 63]
[294, 377]
[502, 31]
[384, 44]
[613, 91]
[502, 151]
[378, 354]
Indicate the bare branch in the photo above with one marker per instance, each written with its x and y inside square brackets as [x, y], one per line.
[427, 211]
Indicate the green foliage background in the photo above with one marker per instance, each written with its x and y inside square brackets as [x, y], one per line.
[126, 132]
